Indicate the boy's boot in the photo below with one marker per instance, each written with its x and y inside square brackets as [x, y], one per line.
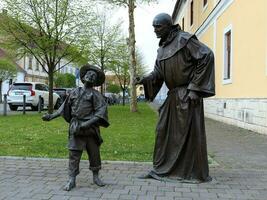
[70, 184]
[97, 180]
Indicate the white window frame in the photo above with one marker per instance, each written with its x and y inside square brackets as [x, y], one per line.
[226, 30]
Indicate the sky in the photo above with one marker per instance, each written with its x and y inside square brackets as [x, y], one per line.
[146, 39]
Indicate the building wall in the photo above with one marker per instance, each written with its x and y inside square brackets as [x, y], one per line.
[249, 50]
[208, 38]
[35, 73]
[206, 10]
[249, 62]
[242, 100]
[248, 113]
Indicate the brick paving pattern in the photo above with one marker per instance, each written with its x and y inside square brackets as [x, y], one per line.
[44, 178]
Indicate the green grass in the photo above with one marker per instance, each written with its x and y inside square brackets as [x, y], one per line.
[129, 137]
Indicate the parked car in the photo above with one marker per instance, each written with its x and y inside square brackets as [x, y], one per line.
[111, 98]
[62, 92]
[32, 91]
[141, 98]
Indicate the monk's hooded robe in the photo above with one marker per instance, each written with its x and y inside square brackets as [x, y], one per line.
[184, 64]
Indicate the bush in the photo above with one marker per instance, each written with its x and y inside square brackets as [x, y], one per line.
[65, 80]
[112, 88]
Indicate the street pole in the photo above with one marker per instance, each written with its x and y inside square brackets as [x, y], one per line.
[39, 104]
[5, 105]
[24, 104]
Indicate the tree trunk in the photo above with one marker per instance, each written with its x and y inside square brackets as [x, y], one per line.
[102, 68]
[50, 99]
[133, 102]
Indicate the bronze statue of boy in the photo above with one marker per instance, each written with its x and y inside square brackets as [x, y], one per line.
[85, 109]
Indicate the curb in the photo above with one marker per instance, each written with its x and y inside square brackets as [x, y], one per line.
[65, 159]
[213, 164]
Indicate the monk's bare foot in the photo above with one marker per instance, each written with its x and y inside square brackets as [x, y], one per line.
[70, 184]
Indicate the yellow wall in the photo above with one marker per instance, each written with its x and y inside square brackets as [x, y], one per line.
[204, 12]
[208, 37]
[249, 45]
[200, 13]
[192, 28]
[249, 50]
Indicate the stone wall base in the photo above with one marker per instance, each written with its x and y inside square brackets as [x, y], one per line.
[248, 113]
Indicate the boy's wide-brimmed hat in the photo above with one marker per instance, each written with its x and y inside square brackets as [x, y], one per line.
[100, 74]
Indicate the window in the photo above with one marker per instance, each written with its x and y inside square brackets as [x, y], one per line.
[30, 62]
[43, 67]
[205, 3]
[45, 88]
[21, 86]
[24, 62]
[37, 66]
[227, 55]
[38, 87]
[191, 13]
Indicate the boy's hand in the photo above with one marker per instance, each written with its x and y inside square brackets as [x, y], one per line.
[85, 125]
[88, 123]
[47, 117]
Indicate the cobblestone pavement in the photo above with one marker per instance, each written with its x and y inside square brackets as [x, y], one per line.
[234, 147]
[44, 178]
[240, 175]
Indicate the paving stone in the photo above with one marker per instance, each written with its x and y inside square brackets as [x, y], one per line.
[111, 196]
[145, 197]
[127, 197]
[190, 194]
[78, 198]
[59, 197]
[164, 198]
[42, 196]
[173, 194]
[149, 188]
